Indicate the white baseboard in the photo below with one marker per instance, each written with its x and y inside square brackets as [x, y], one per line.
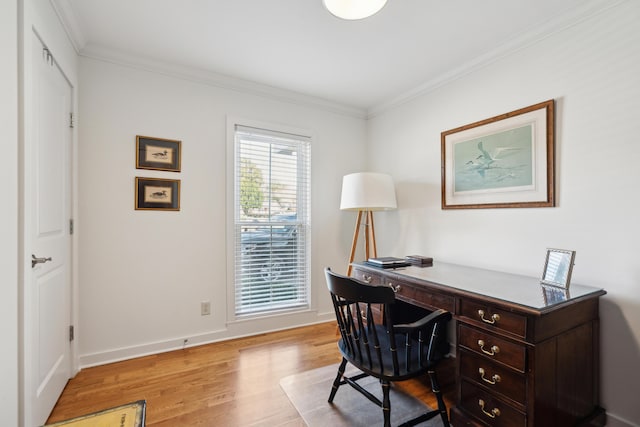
[616, 421]
[232, 331]
[124, 353]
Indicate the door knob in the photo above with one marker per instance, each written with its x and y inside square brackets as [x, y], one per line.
[35, 260]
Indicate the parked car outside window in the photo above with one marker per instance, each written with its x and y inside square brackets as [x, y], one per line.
[269, 250]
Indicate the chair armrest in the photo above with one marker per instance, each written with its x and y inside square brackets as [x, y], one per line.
[435, 317]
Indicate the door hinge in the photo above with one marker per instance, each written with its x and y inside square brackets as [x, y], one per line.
[71, 333]
[71, 226]
[71, 122]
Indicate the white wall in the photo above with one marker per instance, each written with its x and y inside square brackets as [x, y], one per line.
[143, 274]
[9, 212]
[592, 71]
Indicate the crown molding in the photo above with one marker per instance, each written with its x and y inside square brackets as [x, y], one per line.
[73, 28]
[568, 19]
[70, 23]
[587, 10]
[209, 78]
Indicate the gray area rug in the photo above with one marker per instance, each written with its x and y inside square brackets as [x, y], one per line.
[309, 391]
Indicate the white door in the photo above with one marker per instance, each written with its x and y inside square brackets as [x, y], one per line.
[47, 299]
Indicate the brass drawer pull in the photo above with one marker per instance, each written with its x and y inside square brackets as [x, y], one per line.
[494, 379]
[495, 412]
[394, 288]
[366, 279]
[494, 349]
[494, 317]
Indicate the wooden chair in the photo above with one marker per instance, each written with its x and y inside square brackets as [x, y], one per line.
[373, 344]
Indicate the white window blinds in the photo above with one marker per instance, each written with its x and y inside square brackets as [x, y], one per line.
[272, 171]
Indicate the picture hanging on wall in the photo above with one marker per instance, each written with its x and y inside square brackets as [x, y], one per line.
[506, 161]
[158, 153]
[157, 194]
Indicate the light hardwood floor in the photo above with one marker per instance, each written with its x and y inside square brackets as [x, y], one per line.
[231, 383]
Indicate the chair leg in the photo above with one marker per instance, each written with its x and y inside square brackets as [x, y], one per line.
[442, 408]
[336, 382]
[386, 404]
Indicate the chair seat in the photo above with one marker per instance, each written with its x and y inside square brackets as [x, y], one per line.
[383, 367]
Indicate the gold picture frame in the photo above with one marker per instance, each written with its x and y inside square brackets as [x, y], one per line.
[157, 194]
[506, 161]
[158, 153]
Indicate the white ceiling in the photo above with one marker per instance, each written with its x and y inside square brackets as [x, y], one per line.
[298, 46]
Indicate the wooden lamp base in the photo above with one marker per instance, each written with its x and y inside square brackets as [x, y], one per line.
[369, 235]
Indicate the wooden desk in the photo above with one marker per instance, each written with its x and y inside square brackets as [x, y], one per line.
[525, 355]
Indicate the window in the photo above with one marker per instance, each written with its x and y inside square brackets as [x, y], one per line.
[271, 210]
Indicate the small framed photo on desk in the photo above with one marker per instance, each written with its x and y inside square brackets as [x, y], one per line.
[557, 268]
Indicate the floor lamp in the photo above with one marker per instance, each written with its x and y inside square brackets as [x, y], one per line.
[366, 192]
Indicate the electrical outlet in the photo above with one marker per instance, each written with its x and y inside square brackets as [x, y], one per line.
[205, 308]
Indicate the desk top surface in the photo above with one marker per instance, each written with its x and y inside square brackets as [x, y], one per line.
[512, 288]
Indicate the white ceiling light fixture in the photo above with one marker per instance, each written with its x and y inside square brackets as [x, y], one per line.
[354, 9]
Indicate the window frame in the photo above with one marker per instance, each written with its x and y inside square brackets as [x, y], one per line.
[232, 237]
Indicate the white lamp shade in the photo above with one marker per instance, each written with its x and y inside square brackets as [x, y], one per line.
[354, 9]
[368, 191]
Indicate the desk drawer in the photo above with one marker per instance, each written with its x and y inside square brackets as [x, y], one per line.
[492, 347]
[488, 408]
[496, 378]
[368, 277]
[422, 297]
[493, 317]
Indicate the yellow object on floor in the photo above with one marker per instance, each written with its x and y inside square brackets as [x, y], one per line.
[129, 415]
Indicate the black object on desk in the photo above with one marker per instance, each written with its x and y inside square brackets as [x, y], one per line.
[419, 260]
[388, 262]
